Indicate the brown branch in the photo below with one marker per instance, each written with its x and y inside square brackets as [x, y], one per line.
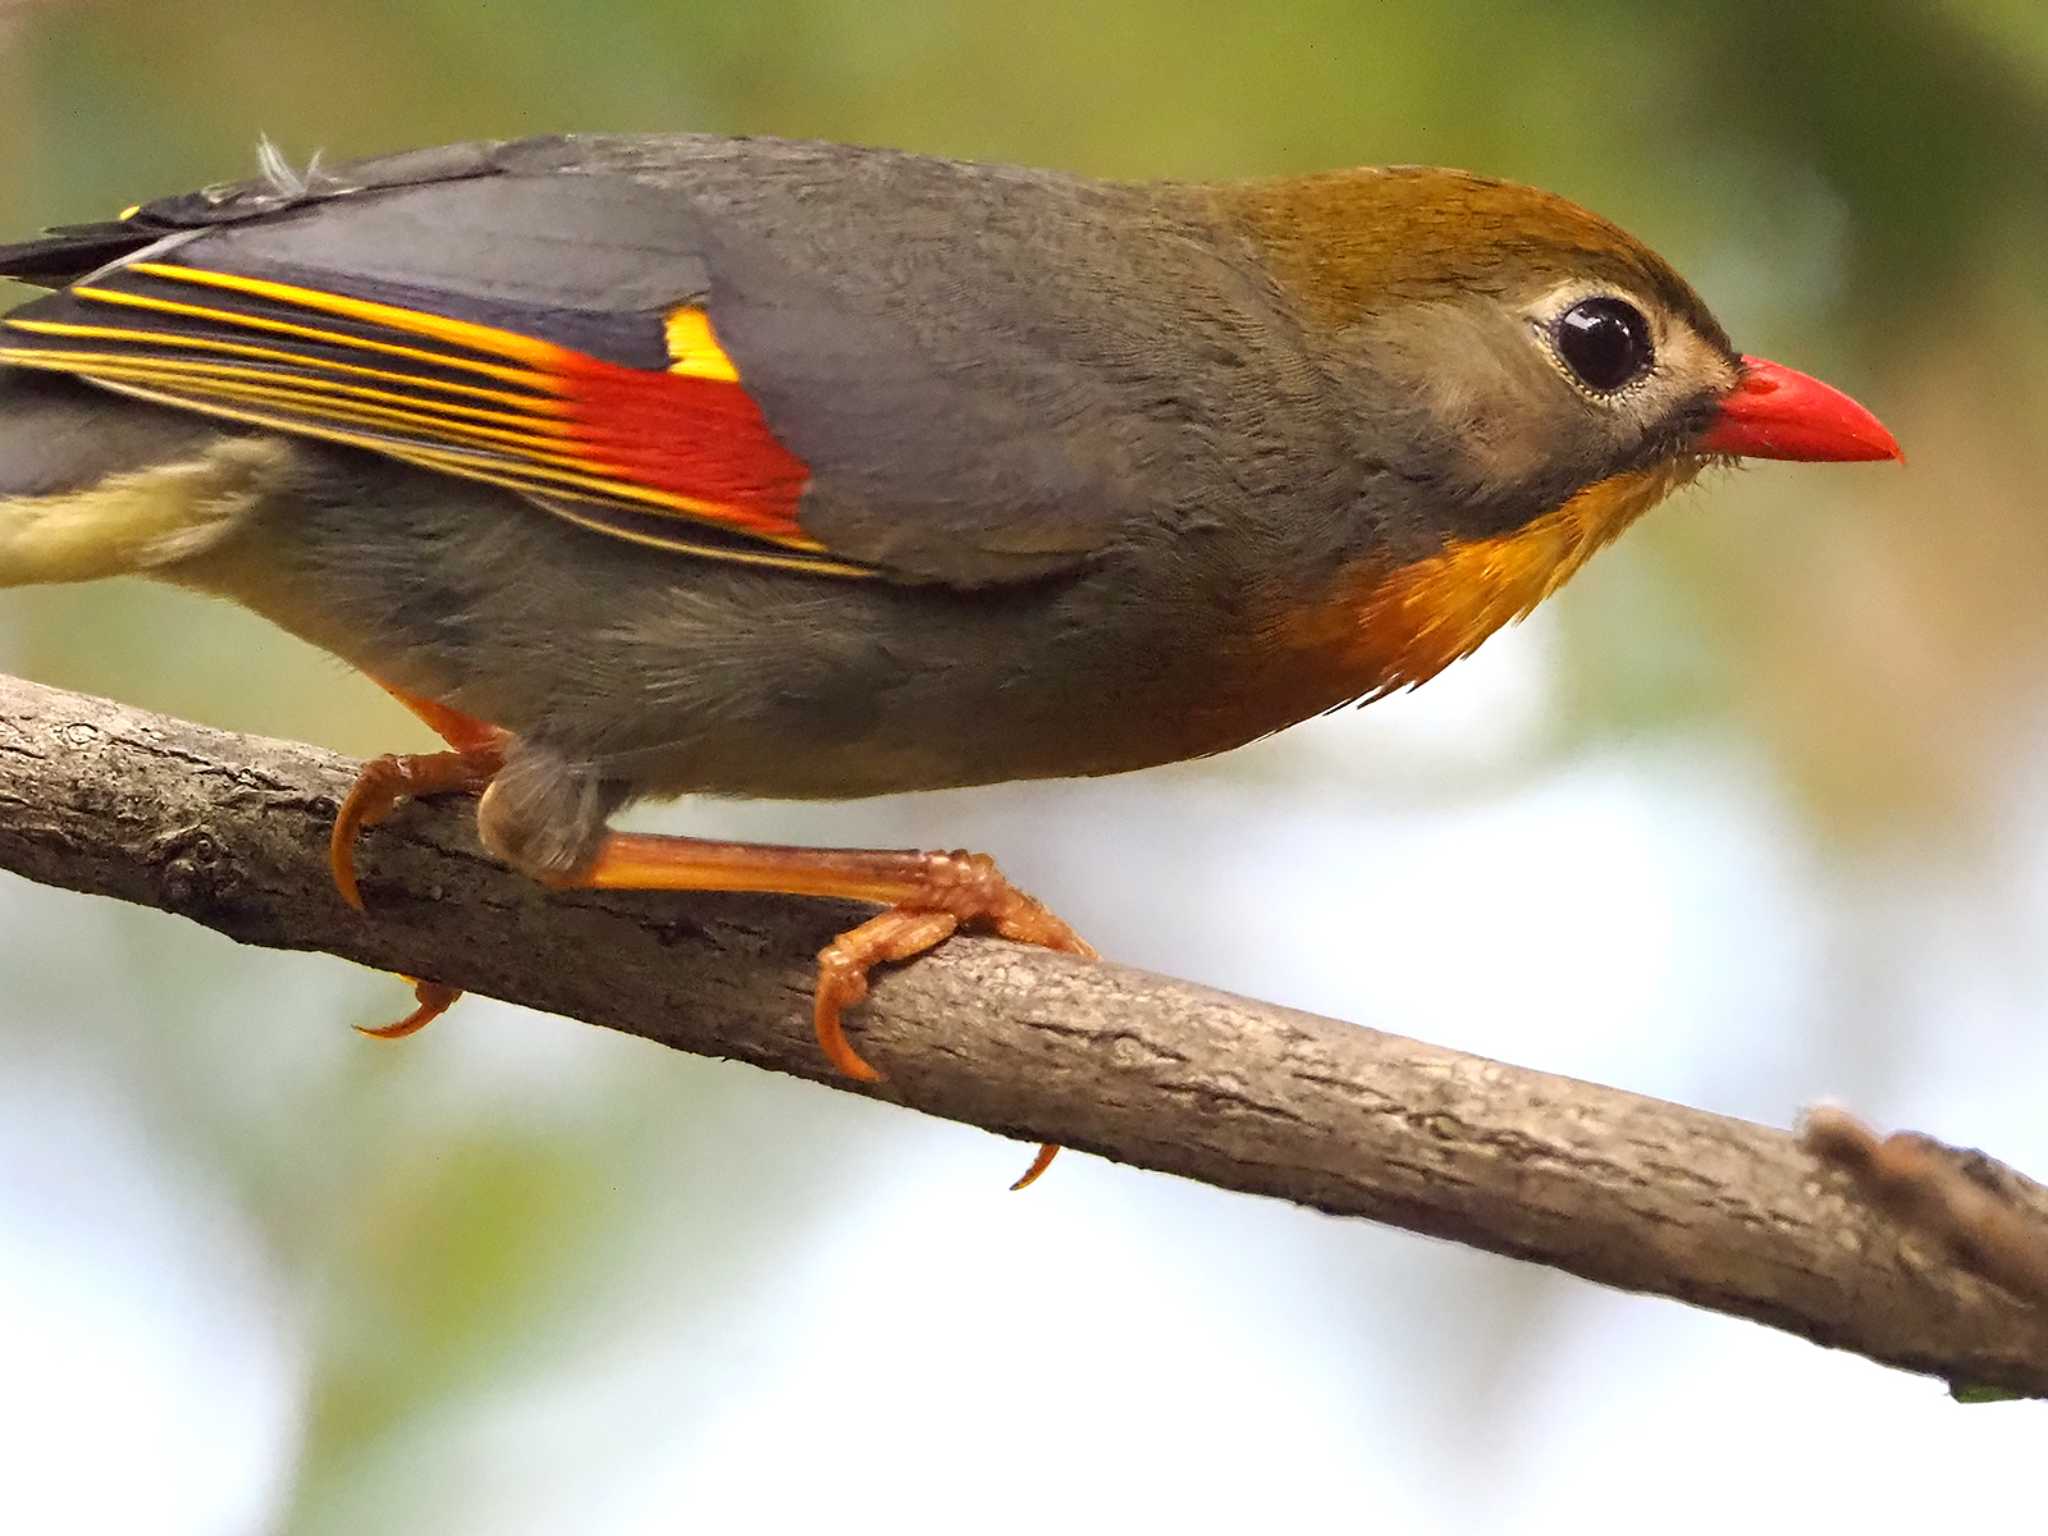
[230, 830]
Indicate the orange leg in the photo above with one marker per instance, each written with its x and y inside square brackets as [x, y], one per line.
[929, 895]
[381, 787]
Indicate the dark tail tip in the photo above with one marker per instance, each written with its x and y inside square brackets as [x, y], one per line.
[64, 255]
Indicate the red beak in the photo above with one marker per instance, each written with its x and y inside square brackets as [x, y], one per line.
[1777, 413]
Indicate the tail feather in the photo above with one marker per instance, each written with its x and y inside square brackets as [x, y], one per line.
[94, 485]
[63, 256]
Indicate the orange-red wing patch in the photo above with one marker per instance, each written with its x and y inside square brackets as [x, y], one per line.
[626, 421]
[677, 456]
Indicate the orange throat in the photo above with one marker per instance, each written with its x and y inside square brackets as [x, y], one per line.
[1381, 630]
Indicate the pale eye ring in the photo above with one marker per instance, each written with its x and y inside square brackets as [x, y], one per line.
[1605, 342]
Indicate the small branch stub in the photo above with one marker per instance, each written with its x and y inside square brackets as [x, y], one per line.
[1982, 1216]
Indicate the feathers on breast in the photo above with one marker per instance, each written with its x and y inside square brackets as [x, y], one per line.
[1375, 630]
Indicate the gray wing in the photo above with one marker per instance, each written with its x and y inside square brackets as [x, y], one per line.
[986, 374]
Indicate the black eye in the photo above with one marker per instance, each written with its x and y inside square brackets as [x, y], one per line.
[1605, 342]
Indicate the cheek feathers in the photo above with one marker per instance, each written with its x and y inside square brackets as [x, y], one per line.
[1475, 397]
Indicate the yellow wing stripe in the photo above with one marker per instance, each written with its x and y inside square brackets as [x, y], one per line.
[535, 471]
[413, 322]
[693, 350]
[623, 490]
[795, 561]
[520, 436]
[228, 317]
[426, 413]
[526, 444]
[535, 467]
[715, 552]
[549, 405]
[543, 442]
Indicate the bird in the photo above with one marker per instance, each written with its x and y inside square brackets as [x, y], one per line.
[642, 466]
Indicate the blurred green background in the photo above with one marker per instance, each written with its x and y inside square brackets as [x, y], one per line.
[1747, 817]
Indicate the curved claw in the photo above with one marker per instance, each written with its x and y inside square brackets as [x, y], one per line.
[370, 799]
[1047, 1151]
[843, 967]
[904, 932]
[434, 1000]
[387, 781]
[379, 788]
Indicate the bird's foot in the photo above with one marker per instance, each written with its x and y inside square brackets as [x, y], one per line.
[967, 888]
[380, 788]
[961, 890]
[929, 895]
[386, 783]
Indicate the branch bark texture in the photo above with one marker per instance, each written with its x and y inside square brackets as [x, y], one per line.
[230, 831]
